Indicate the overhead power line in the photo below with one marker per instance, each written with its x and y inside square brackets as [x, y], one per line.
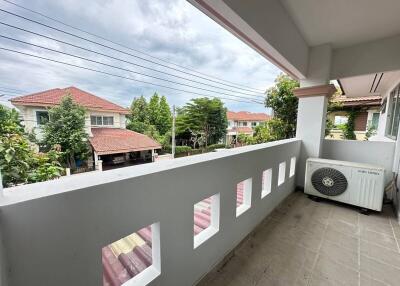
[119, 76]
[12, 89]
[123, 52]
[127, 70]
[125, 61]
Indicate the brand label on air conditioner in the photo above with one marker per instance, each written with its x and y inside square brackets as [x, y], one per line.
[369, 172]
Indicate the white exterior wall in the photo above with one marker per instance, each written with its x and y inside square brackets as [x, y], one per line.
[374, 153]
[53, 231]
[119, 119]
[381, 132]
[30, 121]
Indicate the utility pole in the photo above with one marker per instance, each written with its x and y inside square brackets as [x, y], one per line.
[173, 132]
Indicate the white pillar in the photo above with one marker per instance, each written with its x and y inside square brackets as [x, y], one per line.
[68, 171]
[152, 155]
[96, 159]
[100, 165]
[313, 95]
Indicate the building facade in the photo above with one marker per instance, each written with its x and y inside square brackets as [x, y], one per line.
[367, 115]
[105, 123]
[242, 122]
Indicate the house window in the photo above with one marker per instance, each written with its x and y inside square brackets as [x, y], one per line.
[42, 117]
[108, 120]
[339, 120]
[254, 124]
[244, 123]
[393, 116]
[375, 120]
[102, 120]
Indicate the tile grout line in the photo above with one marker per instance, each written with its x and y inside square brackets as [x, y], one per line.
[394, 235]
[319, 247]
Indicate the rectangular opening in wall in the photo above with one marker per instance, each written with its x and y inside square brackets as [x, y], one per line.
[243, 196]
[281, 175]
[134, 259]
[266, 182]
[206, 219]
[292, 166]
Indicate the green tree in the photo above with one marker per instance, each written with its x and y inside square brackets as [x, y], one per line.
[284, 104]
[66, 128]
[153, 109]
[19, 163]
[164, 119]
[138, 118]
[15, 152]
[205, 118]
[272, 130]
[348, 127]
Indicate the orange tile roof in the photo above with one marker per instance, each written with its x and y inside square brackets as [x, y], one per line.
[53, 97]
[115, 140]
[247, 116]
[359, 101]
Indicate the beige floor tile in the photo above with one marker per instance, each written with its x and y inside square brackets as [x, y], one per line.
[347, 215]
[340, 254]
[378, 238]
[317, 280]
[380, 253]
[372, 224]
[367, 281]
[380, 271]
[333, 271]
[344, 227]
[345, 240]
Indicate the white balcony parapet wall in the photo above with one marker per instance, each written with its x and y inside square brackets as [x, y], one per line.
[370, 152]
[53, 232]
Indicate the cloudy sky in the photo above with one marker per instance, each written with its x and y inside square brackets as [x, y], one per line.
[172, 30]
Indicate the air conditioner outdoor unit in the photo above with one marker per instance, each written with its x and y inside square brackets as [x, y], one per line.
[352, 183]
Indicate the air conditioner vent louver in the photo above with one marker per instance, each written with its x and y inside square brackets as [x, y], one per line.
[329, 181]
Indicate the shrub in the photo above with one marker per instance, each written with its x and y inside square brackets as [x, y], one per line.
[178, 149]
[215, 146]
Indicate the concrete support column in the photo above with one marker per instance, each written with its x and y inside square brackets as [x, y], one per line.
[313, 95]
[311, 120]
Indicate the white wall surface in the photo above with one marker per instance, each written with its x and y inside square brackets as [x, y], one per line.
[377, 56]
[376, 153]
[54, 231]
[310, 129]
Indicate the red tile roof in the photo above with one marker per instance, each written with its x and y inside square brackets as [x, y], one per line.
[53, 97]
[247, 116]
[247, 130]
[359, 101]
[114, 140]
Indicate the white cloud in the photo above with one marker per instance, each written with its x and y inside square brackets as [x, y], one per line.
[172, 30]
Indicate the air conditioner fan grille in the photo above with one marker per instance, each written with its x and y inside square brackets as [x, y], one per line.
[329, 181]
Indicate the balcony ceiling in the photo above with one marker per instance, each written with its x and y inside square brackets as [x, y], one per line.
[342, 22]
[364, 34]
[370, 84]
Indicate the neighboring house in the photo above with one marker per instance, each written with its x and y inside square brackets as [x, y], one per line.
[243, 122]
[105, 124]
[368, 112]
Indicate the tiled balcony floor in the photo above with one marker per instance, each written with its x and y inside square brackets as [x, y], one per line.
[316, 243]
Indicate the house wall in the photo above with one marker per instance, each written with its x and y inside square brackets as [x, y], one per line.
[376, 153]
[381, 132]
[81, 214]
[119, 119]
[30, 121]
[240, 123]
